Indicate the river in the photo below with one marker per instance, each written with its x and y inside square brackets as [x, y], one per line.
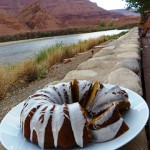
[16, 51]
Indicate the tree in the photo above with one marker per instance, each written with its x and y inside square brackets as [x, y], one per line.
[139, 5]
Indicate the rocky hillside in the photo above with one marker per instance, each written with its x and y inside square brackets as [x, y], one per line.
[126, 12]
[52, 14]
[69, 9]
[78, 12]
[61, 8]
[11, 25]
[36, 17]
[14, 6]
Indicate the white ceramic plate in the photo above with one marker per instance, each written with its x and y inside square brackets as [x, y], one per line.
[136, 117]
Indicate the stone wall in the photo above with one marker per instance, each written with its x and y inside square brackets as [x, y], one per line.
[118, 63]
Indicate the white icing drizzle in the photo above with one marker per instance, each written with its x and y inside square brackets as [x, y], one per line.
[105, 117]
[107, 99]
[83, 87]
[28, 107]
[57, 122]
[39, 126]
[77, 122]
[42, 93]
[54, 95]
[99, 93]
[107, 133]
[65, 92]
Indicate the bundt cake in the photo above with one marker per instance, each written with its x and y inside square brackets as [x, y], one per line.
[108, 125]
[56, 115]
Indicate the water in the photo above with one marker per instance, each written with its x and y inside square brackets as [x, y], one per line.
[20, 51]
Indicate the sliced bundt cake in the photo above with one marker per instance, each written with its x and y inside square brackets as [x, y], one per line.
[56, 115]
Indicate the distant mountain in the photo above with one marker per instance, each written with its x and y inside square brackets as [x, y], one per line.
[78, 12]
[70, 12]
[69, 9]
[126, 12]
[31, 15]
[11, 25]
[61, 8]
[36, 17]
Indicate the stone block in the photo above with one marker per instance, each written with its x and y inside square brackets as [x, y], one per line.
[131, 64]
[103, 53]
[129, 55]
[126, 78]
[80, 75]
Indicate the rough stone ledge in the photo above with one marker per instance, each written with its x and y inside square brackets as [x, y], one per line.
[103, 53]
[95, 64]
[131, 64]
[126, 78]
[126, 49]
[80, 75]
[129, 55]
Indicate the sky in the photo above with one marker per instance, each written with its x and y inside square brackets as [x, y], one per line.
[110, 4]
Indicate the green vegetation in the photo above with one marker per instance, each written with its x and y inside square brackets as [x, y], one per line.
[37, 67]
[102, 24]
[42, 55]
[67, 31]
[111, 24]
[41, 73]
[139, 5]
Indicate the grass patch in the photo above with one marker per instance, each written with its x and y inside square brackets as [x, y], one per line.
[22, 73]
[42, 55]
[41, 73]
[32, 69]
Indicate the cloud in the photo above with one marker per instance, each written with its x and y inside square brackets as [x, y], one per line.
[110, 4]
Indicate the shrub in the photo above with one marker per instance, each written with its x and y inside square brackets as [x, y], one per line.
[111, 24]
[102, 24]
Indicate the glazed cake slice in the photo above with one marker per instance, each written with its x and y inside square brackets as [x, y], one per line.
[113, 95]
[108, 125]
[81, 91]
[75, 91]
[98, 91]
[93, 93]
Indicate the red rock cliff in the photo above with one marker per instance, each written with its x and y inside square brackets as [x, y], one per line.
[36, 17]
[64, 9]
[11, 25]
